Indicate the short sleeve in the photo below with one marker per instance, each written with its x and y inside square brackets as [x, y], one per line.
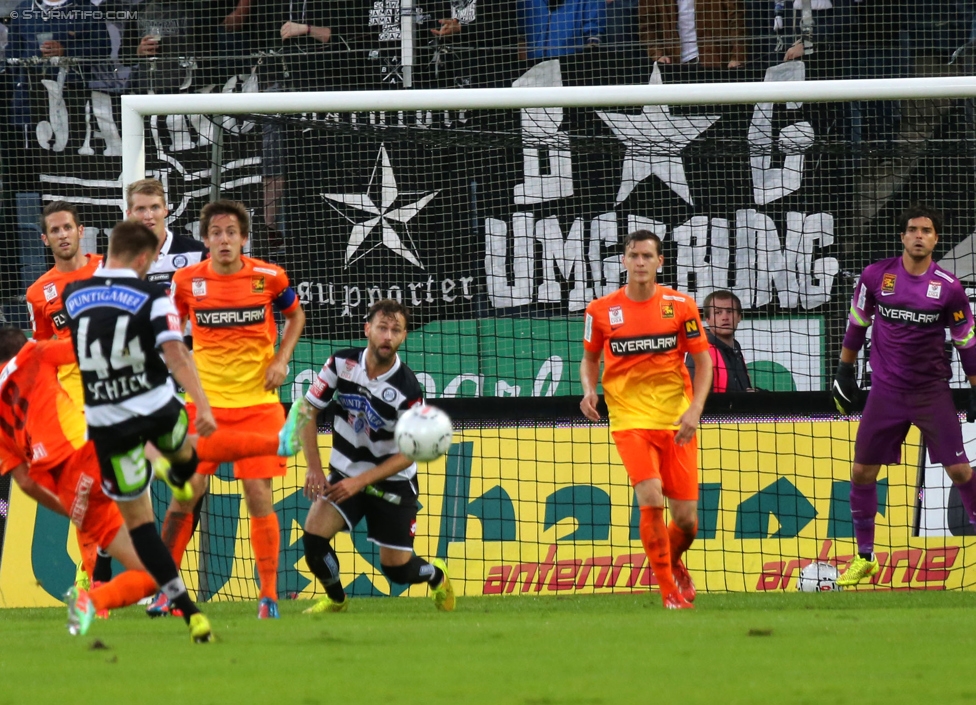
[692, 333]
[178, 290]
[57, 352]
[283, 296]
[323, 386]
[592, 329]
[165, 320]
[9, 459]
[40, 324]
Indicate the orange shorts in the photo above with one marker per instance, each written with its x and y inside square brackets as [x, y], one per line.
[261, 417]
[653, 455]
[77, 486]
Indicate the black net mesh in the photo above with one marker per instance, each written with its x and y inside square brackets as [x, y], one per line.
[497, 227]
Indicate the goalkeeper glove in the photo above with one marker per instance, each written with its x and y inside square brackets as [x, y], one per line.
[845, 390]
[971, 410]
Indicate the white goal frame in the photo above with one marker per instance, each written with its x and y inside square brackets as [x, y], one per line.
[136, 107]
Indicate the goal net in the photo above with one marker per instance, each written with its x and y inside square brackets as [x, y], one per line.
[496, 216]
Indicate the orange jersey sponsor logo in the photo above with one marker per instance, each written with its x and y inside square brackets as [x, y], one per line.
[234, 331]
[644, 344]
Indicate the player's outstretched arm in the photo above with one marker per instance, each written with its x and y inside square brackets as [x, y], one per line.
[277, 370]
[589, 376]
[701, 386]
[39, 494]
[184, 371]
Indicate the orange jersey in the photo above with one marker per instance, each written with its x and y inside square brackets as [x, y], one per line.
[644, 343]
[234, 330]
[49, 321]
[39, 424]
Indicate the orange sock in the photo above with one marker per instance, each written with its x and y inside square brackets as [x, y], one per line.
[654, 536]
[265, 539]
[680, 541]
[177, 532]
[228, 446]
[89, 554]
[123, 590]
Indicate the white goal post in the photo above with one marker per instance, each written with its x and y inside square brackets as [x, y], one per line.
[136, 107]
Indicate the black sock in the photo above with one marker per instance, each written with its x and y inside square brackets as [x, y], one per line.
[869, 556]
[182, 472]
[103, 567]
[159, 564]
[322, 560]
[414, 571]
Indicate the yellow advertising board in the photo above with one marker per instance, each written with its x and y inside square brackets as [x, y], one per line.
[543, 510]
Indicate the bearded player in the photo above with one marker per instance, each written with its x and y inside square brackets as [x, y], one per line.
[643, 331]
[911, 301]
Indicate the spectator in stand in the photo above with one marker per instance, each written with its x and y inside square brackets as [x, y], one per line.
[52, 30]
[707, 33]
[552, 28]
[299, 36]
[166, 43]
[475, 44]
[857, 39]
[723, 314]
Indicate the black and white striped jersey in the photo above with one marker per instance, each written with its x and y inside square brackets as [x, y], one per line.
[367, 410]
[117, 322]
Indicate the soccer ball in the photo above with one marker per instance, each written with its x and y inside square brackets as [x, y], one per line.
[423, 433]
[818, 577]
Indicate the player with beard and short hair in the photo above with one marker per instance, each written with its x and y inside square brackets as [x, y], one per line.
[62, 232]
[911, 301]
[368, 476]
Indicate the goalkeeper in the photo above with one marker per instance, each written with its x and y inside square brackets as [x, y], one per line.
[912, 301]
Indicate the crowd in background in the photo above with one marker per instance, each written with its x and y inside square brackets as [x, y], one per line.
[172, 45]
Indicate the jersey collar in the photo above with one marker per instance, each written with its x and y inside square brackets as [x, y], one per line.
[104, 271]
[167, 243]
[386, 375]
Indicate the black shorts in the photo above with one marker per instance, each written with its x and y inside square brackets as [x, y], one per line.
[390, 508]
[126, 473]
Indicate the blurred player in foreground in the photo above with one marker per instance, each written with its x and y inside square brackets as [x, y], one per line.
[912, 301]
[230, 301]
[643, 331]
[368, 476]
[42, 443]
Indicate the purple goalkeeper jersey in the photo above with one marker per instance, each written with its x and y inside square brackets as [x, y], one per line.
[910, 316]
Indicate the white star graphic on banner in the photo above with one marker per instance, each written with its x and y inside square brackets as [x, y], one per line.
[383, 214]
[655, 140]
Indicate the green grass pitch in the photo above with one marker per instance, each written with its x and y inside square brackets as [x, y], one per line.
[735, 648]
